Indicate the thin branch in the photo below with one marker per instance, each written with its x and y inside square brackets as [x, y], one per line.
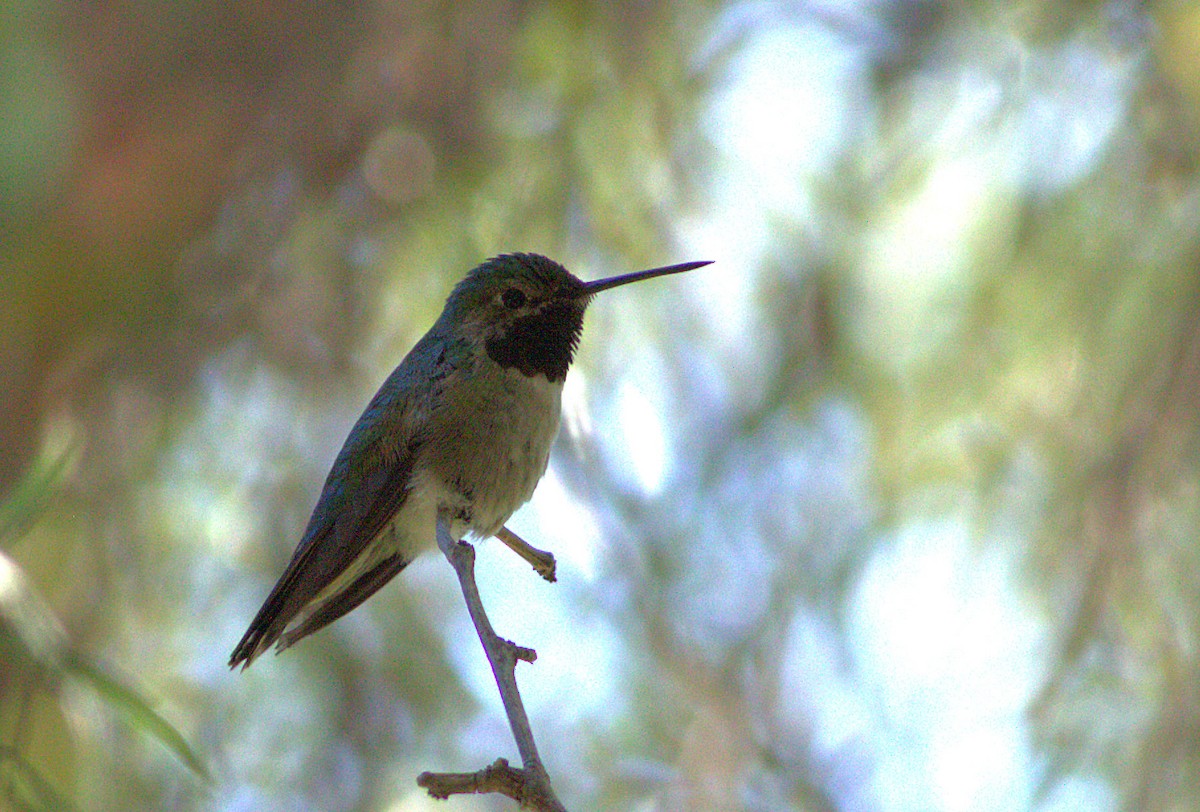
[498, 777]
[530, 786]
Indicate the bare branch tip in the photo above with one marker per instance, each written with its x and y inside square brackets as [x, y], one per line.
[527, 787]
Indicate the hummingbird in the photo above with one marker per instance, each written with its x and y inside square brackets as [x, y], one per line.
[461, 428]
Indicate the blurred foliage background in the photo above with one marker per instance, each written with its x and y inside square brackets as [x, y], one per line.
[895, 507]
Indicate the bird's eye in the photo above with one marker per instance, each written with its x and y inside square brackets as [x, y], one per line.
[513, 298]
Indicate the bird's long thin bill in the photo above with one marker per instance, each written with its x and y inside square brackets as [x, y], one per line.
[624, 279]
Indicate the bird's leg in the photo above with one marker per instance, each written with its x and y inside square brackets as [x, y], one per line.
[543, 562]
[534, 788]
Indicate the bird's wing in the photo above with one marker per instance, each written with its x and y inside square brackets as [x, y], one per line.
[369, 482]
[346, 599]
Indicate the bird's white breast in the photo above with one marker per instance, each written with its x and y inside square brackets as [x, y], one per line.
[491, 445]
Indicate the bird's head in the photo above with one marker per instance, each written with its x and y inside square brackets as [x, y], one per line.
[527, 310]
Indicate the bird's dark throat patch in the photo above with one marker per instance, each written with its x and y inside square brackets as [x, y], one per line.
[540, 343]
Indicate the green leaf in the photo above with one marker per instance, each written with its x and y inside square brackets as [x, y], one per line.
[25, 788]
[30, 496]
[34, 625]
[38, 632]
[138, 713]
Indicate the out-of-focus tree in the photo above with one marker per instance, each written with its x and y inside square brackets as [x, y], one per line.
[955, 298]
